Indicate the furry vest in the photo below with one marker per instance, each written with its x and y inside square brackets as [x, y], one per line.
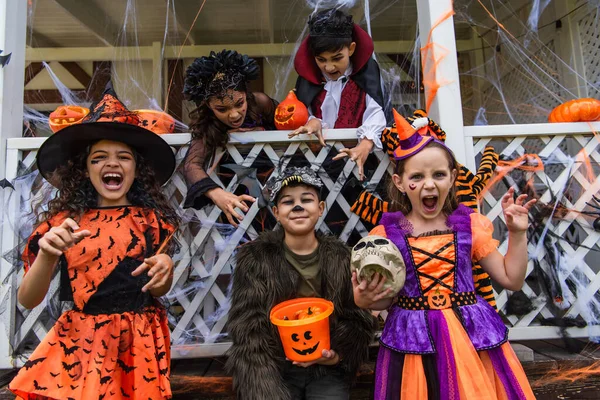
[262, 279]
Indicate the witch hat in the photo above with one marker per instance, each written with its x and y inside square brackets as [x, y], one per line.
[108, 119]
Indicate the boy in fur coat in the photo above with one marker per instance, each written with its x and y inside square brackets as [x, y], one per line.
[294, 261]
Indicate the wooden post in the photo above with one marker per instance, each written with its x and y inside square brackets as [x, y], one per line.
[438, 46]
[174, 84]
[13, 22]
[157, 73]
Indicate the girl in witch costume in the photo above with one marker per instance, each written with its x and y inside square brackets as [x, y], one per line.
[294, 261]
[441, 340]
[218, 85]
[108, 232]
[340, 82]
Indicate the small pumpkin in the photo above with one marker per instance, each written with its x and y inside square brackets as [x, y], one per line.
[291, 113]
[64, 116]
[577, 110]
[157, 121]
[310, 312]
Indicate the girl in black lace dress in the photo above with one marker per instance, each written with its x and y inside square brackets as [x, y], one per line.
[218, 85]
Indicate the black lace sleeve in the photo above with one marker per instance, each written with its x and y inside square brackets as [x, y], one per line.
[197, 180]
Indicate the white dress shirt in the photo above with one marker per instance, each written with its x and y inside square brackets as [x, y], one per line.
[373, 121]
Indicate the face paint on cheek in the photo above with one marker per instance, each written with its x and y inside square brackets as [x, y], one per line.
[297, 208]
[412, 186]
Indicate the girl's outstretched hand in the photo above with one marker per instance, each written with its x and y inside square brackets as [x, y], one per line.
[366, 294]
[160, 270]
[516, 212]
[61, 238]
[228, 202]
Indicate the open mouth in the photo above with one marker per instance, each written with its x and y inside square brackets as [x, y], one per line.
[430, 203]
[237, 122]
[308, 351]
[112, 180]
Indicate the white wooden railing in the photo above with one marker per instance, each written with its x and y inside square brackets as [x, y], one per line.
[199, 298]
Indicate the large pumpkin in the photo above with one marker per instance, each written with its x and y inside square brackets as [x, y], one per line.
[156, 121]
[64, 116]
[291, 113]
[577, 110]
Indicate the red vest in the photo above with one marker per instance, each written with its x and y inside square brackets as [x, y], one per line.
[353, 104]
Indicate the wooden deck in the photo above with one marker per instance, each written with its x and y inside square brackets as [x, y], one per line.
[545, 362]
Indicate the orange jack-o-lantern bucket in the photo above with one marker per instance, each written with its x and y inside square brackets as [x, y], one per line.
[303, 327]
[156, 121]
[291, 113]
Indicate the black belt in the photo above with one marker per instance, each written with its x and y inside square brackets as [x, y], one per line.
[437, 301]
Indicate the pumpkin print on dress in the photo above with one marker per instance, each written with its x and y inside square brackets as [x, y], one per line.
[439, 301]
[291, 113]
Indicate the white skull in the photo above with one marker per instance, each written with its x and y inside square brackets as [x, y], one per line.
[377, 254]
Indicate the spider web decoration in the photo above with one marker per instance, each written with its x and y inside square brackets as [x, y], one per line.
[516, 62]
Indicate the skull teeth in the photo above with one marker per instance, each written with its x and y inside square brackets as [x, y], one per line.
[372, 252]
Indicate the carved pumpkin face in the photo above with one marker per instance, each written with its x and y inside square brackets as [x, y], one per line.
[304, 339]
[156, 121]
[291, 113]
[64, 116]
[439, 301]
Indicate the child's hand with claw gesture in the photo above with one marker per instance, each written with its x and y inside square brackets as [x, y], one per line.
[516, 211]
[160, 271]
[61, 238]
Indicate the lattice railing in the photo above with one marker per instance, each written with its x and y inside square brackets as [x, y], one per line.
[198, 302]
[569, 179]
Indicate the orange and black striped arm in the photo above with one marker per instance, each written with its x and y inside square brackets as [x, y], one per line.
[369, 207]
[464, 187]
[389, 140]
[483, 285]
[487, 166]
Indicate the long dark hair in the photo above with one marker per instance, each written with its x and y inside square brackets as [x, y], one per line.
[205, 126]
[77, 195]
[400, 202]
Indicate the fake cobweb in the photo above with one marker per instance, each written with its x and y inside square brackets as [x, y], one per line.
[517, 61]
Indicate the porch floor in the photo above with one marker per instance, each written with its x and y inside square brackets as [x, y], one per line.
[543, 360]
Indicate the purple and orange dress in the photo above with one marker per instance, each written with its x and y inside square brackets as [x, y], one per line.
[441, 340]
